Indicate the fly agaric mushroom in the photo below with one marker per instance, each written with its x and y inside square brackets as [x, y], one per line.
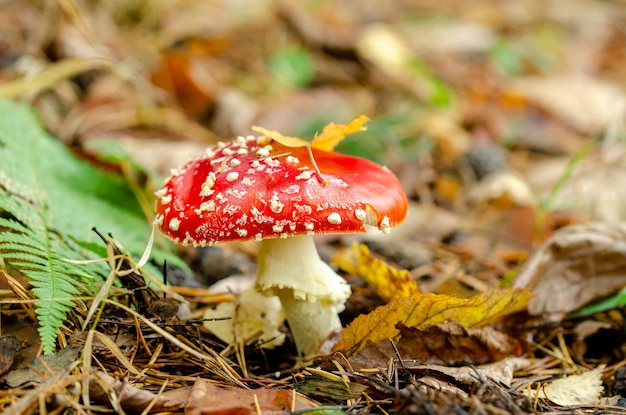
[257, 188]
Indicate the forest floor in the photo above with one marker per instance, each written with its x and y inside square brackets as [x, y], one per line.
[505, 123]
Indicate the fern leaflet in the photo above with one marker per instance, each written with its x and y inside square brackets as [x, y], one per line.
[49, 202]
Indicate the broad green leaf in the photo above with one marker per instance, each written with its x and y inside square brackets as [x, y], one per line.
[49, 202]
[293, 66]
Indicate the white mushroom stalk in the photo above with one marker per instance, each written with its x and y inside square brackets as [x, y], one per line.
[311, 293]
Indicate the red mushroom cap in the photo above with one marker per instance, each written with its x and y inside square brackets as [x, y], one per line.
[256, 188]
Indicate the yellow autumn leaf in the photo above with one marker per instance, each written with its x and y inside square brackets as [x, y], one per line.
[389, 282]
[420, 310]
[331, 135]
[285, 140]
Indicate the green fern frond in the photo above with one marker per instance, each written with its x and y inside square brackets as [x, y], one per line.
[49, 202]
[39, 255]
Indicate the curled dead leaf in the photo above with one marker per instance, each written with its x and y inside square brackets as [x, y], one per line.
[501, 371]
[577, 264]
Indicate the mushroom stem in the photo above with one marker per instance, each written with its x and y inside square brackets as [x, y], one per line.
[310, 322]
[310, 291]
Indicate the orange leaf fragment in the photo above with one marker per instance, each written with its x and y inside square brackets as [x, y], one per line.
[208, 398]
[421, 309]
[388, 281]
[178, 74]
[285, 140]
[331, 135]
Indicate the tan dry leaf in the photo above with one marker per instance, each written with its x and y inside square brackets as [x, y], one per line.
[588, 104]
[504, 190]
[451, 139]
[388, 281]
[439, 38]
[50, 75]
[590, 190]
[575, 390]
[383, 46]
[420, 310]
[577, 264]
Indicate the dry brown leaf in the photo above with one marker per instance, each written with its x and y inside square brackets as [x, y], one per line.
[444, 344]
[455, 380]
[420, 310]
[333, 25]
[41, 368]
[180, 73]
[9, 346]
[208, 398]
[388, 281]
[451, 343]
[577, 264]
